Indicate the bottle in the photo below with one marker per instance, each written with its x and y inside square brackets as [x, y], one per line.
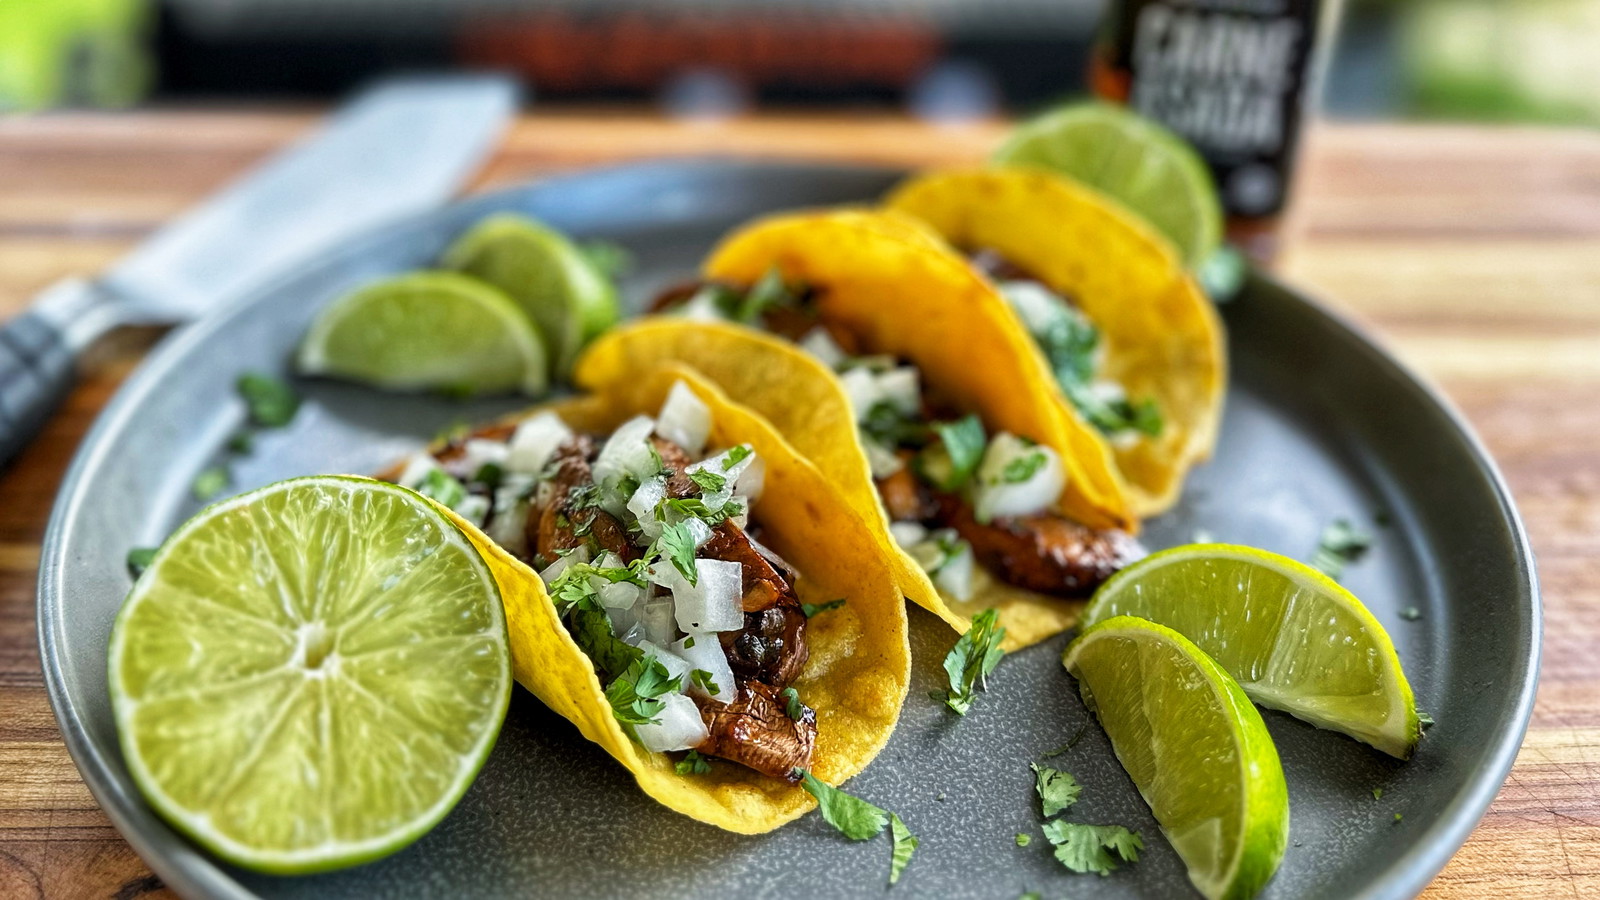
[1234, 77]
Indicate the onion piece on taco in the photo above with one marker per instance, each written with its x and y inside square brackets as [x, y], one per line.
[909, 383]
[661, 552]
[1135, 346]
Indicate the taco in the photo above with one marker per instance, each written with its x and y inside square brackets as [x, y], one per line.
[1135, 346]
[918, 394]
[673, 573]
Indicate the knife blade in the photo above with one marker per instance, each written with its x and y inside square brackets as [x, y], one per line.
[400, 147]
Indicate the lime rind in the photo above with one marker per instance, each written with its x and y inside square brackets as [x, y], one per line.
[199, 824]
[1168, 184]
[1366, 697]
[548, 277]
[1221, 866]
[427, 331]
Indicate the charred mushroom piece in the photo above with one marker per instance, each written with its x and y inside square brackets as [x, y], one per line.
[905, 497]
[771, 647]
[755, 731]
[676, 461]
[559, 525]
[1044, 553]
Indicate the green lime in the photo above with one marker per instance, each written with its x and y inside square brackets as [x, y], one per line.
[427, 331]
[553, 282]
[309, 675]
[1156, 174]
[1195, 748]
[1292, 637]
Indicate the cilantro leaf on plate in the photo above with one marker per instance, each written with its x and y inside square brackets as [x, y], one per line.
[905, 844]
[271, 402]
[1340, 545]
[972, 659]
[1092, 848]
[855, 818]
[1057, 789]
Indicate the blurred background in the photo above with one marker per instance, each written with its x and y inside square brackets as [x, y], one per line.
[1485, 60]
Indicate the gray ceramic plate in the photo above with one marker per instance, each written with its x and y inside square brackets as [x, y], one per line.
[1320, 424]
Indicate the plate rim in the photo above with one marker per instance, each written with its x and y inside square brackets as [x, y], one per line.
[191, 873]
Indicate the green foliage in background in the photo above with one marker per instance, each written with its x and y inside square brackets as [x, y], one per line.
[1504, 60]
[72, 52]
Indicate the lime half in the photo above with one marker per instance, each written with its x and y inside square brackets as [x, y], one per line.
[552, 281]
[1291, 636]
[1143, 166]
[427, 331]
[1195, 748]
[309, 676]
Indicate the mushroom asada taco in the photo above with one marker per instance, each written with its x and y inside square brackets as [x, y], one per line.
[669, 567]
[918, 393]
[1134, 344]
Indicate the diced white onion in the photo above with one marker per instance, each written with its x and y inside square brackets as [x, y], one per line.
[702, 307]
[861, 386]
[533, 443]
[1035, 305]
[509, 527]
[707, 654]
[473, 508]
[656, 617]
[700, 532]
[908, 534]
[620, 594]
[714, 601]
[643, 506]
[606, 560]
[685, 419]
[477, 453]
[578, 554]
[994, 497]
[417, 468]
[820, 344]
[752, 479]
[955, 576]
[900, 387]
[627, 452]
[625, 622]
[880, 459]
[679, 726]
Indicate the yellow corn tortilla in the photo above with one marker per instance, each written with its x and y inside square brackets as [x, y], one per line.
[806, 403]
[859, 666]
[1161, 335]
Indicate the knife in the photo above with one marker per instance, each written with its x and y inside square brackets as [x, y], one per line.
[402, 146]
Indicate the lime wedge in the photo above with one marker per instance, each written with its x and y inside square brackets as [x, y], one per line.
[1143, 166]
[427, 331]
[553, 282]
[1195, 748]
[1292, 637]
[309, 676]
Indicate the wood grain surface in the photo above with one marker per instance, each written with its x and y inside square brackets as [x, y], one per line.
[1474, 253]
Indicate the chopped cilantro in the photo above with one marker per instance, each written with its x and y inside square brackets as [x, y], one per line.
[905, 844]
[1071, 742]
[1031, 895]
[676, 545]
[1113, 415]
[1411, 614]
[709, 482]
[1377, 793]
[811, 609]
[210, 482]
[635, 694]
[591, 630]
[768, 292]
[702, 679]
[1024, 839]
[439, 485]
[271, 402]
[855, 818]
[139, 559]
[961, 444]
[1090, 848]
[692, 764]
[1397, 818]
[736, 454]
[695, 508]
[1340, 545]
[583, 496]
[792, 704]
[886, 424]
[688, 642]
[1424, 720]
[489, 475]
[241, 442]
[1022, 468]
[972, 659]
[1057, 789]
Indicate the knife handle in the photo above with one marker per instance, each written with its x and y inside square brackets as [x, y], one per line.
[38, 350]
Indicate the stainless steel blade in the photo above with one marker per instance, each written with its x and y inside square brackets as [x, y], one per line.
[403, 146]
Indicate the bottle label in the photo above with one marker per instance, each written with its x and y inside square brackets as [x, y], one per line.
[1229, 75]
